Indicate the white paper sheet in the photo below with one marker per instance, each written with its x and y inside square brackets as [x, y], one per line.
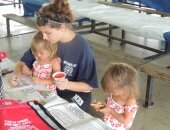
[25, 90]
[70, 116]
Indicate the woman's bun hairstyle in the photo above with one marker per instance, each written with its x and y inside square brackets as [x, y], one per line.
[62, 8]
[58, 11]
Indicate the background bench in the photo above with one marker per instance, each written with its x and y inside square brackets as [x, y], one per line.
[28, 21]
[23, 20]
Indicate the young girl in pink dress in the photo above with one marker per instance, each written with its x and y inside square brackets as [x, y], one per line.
[46, 62]
[120, 81]
[44, 66]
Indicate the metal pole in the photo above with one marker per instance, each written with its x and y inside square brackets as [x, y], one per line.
[148, 99]
[8, 27]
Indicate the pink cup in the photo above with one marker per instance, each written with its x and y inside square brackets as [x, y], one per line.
[59, 75]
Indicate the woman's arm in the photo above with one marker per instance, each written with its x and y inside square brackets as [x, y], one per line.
[21, 68]
[18, 68]
[65, 84]
[43, 81]
[78, 86]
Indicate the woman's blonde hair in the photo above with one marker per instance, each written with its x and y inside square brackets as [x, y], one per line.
[119, 75]
[38, 44]
[58, 11]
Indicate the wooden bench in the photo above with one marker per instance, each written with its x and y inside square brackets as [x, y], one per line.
[27, 21]
[23, 20]
[152, 70]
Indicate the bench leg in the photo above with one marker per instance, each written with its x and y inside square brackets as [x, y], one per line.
[14, 3]
[92, 26]
[8, 27]
[167, 47]
[123, 38]
[148, 99]
[80, 24]
[110, 33]
[19, 2]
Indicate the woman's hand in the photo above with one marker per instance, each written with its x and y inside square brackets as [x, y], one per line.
[25, 70]
[62, 84]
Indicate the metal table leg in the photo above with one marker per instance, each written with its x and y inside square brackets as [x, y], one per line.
[148, 99]
[8, 27]
[123, 38]
[19, 2]
[93, 26]
[167, 47]
[110, 33]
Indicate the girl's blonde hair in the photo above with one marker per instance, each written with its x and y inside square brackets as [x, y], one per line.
[38, 44]
[119, 75]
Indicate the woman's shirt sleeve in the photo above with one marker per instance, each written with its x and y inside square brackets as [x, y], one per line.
[28, 58]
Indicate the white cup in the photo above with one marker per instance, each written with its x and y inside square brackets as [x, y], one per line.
[59, 76]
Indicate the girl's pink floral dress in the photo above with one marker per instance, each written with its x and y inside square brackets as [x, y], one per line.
[112, 122]
[44, 72]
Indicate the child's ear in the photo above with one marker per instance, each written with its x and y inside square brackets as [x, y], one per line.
[125, 88]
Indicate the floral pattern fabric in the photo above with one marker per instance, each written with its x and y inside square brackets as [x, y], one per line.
[114, 123]
[43, 72]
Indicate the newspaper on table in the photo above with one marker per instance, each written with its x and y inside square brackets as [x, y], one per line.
[71, 117]
[26, 90]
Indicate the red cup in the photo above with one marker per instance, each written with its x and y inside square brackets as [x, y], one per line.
[59, 75]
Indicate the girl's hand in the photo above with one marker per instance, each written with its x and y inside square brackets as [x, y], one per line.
[106, 110]
[13, 80]
[98, 105]
[62, 84]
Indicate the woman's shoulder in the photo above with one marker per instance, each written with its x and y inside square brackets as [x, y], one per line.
[81, 41]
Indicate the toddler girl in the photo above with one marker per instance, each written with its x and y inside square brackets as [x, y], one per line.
[46, 62]
[120, 81]
[45, 65]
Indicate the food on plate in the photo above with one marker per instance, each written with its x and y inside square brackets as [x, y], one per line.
[98, 105]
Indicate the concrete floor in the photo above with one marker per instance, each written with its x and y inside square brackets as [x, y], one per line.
[155, 118]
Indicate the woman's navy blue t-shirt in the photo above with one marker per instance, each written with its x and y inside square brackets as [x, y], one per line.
[77, 61]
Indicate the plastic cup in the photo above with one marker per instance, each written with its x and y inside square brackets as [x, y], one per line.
[58, 76]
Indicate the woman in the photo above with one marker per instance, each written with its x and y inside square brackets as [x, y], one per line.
[77, 59]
